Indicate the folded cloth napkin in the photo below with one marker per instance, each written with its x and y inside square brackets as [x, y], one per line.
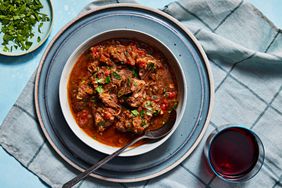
[245, 52]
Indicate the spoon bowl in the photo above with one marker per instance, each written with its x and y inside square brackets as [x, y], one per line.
[164, 130]
[151, 134]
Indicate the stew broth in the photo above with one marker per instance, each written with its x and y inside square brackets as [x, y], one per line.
[120, 88]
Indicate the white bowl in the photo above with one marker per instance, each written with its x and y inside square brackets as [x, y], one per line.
[129, 34]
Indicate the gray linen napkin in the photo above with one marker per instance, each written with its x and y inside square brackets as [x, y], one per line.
[245, 52]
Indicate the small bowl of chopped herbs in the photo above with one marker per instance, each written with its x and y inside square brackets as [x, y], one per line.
[24, 25]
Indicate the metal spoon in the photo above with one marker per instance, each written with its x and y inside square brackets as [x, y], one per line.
[153, 135]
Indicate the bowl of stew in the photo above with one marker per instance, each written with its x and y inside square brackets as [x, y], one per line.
[119, 84]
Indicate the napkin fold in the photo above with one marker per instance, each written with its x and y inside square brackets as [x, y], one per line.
[245, 53]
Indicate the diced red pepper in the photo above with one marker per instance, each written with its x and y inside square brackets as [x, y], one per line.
[164, 106]
[142, 64]
[171, 95]
[107, 72]
[94, 52]
[141, 52]
[107, 115]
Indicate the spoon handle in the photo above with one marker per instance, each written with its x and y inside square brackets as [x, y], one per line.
[84, 174]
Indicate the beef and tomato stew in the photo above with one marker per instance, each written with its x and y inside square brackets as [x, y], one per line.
[119, 88]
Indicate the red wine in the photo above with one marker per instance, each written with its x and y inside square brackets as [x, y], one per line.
[234, 152]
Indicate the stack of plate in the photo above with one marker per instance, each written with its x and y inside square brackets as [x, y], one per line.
[199, 92]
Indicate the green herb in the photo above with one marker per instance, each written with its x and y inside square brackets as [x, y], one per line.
[108, 79]
[148, 104]
[135, 83]
[101, 123]
[142, 113]
[39, 27]
[6, 49]
[128, 82]
[134, 72]
[38, 39]
[149, 113]
[157, 112]
[135, 112]
[166, 94]
[99, 80]
[18, 18]
[151, 66]
[116, 75]
[99, 89]
[154, 97]
[144, 124]
[175, 105]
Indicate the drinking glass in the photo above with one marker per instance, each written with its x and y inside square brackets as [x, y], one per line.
[235, 144]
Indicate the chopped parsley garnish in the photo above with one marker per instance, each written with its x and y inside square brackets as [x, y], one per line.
[135, 112]
[134, 72]
[128, 82]
[144, 124]
[135, 83]
[108, 79]
[97, 80]
[116, 75]
[154, 97]
[142, 113]
[149, 113]
[148, 104]
[18, 17]
[99, 89]
[101, 123]
[175, 105]
[157, 112]
[151, 66]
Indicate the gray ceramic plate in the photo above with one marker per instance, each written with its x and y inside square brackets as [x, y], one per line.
[199, 86]
[45, 32]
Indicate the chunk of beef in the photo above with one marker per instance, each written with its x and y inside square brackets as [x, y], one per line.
[130, 123]
[84, 89]
[124, 123]
[117, 53]
[136, 99]
[125, 74]
[109, 99]
[93, 67]
[104, 117]
[138, 95]
[136, 85]
[99, 122]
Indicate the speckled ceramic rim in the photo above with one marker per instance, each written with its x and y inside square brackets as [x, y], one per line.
[211, 90]
[41, 42]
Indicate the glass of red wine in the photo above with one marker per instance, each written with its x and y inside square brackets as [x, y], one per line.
[234, 153]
